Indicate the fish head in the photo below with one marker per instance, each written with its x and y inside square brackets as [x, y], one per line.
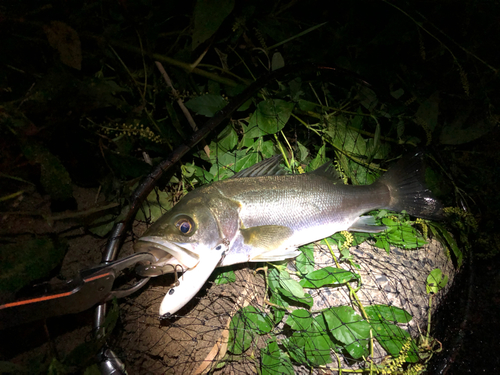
[184, 235]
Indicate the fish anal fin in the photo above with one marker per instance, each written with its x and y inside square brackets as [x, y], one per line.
[366, 224]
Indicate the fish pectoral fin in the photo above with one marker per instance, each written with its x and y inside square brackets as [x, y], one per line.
[366, 224]
[271, 241]
[266, 237]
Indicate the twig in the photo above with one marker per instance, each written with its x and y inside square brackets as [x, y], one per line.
[184, 110]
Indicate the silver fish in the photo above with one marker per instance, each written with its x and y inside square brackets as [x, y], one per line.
[261, 215]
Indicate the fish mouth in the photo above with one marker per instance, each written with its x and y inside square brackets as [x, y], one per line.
[169, 256]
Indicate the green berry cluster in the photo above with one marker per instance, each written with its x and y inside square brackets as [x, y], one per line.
[134, 129]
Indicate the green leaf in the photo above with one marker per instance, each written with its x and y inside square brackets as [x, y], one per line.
[435, 281]
[102, 225]
[206, 105]
[246, 161]
[291, 285]
[225, 277]
[392, 338]
[303, 152]
[447, 241]
[240, 337]
[273, 279]
[348, 327]
[227, 139]
[156, 204]
[390, 313]
[208, 17]
[305, 299]
[299, 319]
[305, 260]
[383, 244]
[295, 347]
[344, 138]
[326, 276]
[318, 161]
[267, 148]
[307, 106]
[317, 346]
[54, 177]
[269, 118]
[274, 361]
[127, 166]
[258, 321]
[278, 313]
[277, 61]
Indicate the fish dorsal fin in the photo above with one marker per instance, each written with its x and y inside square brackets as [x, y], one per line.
[268, 167]
[328, 170]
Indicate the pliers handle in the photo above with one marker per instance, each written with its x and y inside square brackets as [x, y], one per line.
[90, 287]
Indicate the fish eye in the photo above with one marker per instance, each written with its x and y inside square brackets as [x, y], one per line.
[184, 225]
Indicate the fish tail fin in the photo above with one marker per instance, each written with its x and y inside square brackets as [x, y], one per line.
[406, 183]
